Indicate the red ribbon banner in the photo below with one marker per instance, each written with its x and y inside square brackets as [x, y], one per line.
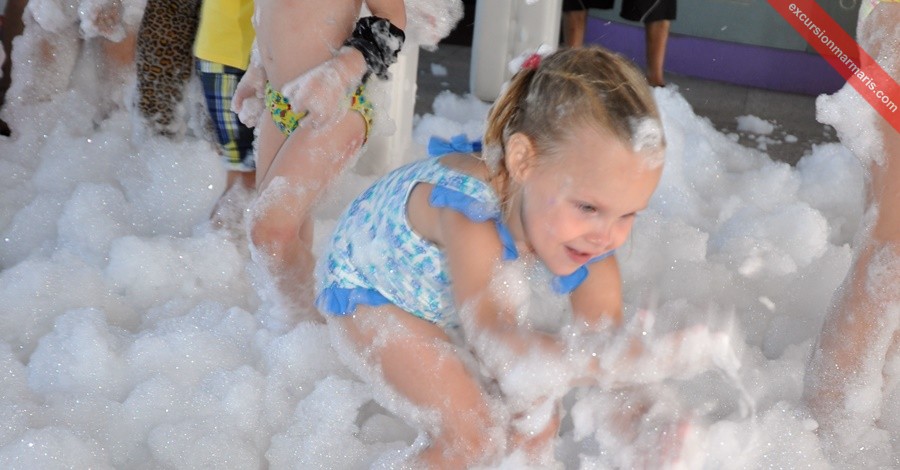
[844, 54]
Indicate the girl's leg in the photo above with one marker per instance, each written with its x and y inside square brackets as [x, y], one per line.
[291, 179]
[417, 360]
[538, 446]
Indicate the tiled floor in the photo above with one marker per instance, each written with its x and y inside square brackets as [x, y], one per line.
[722, 103]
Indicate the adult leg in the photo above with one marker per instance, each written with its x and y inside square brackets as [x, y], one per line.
[574, 24]
[12, 26]
[165, 63]
[657, 36]
[417, 360]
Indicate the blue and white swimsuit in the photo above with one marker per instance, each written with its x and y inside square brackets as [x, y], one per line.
[376, 258]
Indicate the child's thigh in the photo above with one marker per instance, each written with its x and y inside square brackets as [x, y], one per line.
[416, 359]
[312, 157]
[886, 187]
[267, 145]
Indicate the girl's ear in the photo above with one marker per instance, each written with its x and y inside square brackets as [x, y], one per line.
[520, 156]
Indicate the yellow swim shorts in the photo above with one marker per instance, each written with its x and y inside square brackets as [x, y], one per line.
[287, 120]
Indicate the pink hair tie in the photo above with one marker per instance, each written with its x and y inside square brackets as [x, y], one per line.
[529, 60]
[532, 62]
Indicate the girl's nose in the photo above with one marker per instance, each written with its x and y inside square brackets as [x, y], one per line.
[600, 233]
[608, 234]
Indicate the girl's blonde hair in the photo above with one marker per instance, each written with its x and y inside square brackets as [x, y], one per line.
[569, 89]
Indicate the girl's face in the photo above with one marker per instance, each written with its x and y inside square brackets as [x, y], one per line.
[581, 203]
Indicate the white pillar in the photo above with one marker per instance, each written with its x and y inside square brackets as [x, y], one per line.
[397, 99]
[504, 29]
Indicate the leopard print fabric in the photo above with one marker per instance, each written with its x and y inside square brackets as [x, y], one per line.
[165, 63]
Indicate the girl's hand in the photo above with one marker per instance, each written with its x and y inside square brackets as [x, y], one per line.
[323, 91]
[638, 355]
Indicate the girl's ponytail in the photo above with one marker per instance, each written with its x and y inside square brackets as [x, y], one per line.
[505, 110]
[504, 116]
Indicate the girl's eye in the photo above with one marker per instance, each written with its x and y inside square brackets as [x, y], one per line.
[587, 208]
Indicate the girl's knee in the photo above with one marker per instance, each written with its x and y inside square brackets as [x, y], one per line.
[273, 234]
[472, 439]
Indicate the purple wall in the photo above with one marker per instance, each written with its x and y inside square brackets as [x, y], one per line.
[740, 64]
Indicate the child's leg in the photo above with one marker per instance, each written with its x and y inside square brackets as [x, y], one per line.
[235, 140]
[538, 446]
[853, 338]
[269, 142]
[859, 331]
[120, 55]
[53, 57]
[292, 173]
[115, 68]
[417, 360]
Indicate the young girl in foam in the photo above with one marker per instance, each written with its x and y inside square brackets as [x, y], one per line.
[852, 381]
[420, 268]
[309, 66]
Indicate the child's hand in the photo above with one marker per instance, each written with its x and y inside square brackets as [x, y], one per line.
[429, 22]
[323, 91]
[646, 357]
[102, 18]
[248, 101]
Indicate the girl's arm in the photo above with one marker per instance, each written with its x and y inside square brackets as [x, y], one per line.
[474, 253]
[532, 369]
[597, 302]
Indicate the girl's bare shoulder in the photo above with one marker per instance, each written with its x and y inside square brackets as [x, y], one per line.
[467, 163]
[425, 219]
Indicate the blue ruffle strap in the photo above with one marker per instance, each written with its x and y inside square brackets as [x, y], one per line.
[473, 209]
[457, 144]
[340, 301]
[509, 244]
[566, 284]
[476, 211]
